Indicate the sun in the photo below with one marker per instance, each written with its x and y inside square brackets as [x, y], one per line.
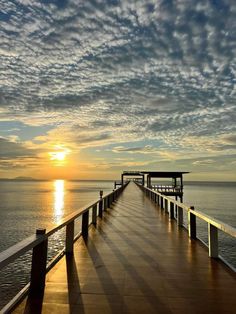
[59, 154]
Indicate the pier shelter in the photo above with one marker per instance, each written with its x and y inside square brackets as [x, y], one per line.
[174, 189]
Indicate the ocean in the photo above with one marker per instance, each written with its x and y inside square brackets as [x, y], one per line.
[28, 205]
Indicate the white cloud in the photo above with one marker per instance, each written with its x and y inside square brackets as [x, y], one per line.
[111, 74]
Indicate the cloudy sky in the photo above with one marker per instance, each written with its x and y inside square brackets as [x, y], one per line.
[93, 87]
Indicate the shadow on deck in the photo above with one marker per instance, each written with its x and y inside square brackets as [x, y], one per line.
[136, 261]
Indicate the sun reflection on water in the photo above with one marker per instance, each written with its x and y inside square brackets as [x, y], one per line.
[59, 193]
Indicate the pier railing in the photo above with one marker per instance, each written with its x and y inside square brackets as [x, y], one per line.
[176, 210]
[166, 188]
[38, 243]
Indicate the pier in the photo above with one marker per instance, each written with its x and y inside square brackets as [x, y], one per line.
[134, 257]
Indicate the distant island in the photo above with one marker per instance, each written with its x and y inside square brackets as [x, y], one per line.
[19, 179]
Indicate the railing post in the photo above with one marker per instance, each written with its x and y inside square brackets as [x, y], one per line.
[100, 208]
[70, 237]
[105, 203]
[39, 263]
[213, 240]
[94, 215]
[179, 216]
[192, 224]
[172, 215]
[85, 220]
[161, 202]
[166, 206]
[100, 205]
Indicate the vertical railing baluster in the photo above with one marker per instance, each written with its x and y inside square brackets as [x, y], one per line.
[94, 215]
[104, 204]
[172, 214]
[85, 221]
[179, 216]
[166, 206]
[162, 203]
[213, 240]
[70, 237]
[39, 263]
[100, 208]
[192, 224]
[100, 205]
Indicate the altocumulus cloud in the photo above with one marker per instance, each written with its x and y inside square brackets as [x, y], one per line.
[165, 69]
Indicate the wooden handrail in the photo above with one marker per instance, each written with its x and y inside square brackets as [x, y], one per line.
[15, 251]
[214, 224]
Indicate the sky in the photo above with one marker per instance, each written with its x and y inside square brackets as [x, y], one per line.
[91, 88]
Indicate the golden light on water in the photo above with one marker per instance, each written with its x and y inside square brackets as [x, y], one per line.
[59, 194]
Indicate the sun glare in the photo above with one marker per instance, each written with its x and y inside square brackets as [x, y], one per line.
[59, 154]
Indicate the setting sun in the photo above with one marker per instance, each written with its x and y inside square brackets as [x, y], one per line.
[59, 154]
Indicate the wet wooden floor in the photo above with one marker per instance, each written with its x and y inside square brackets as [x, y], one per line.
[136, 261]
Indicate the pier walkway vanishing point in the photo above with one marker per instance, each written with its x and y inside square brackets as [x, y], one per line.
[136, 260]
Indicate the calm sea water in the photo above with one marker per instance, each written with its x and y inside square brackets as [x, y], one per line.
[27, 205]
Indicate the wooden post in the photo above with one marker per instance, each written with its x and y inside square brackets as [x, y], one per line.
[100, 208]
[179, 216]
[70, 237]
[113, 197]
[94, 215]
[171, 216]
[100, 205]
[213, 240]
[192, 224]
[38, 266]
[161, 202]
[85, 220]
[166, 206]
[105, 203]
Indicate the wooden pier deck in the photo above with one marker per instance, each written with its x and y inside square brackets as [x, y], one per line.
[136, 261]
